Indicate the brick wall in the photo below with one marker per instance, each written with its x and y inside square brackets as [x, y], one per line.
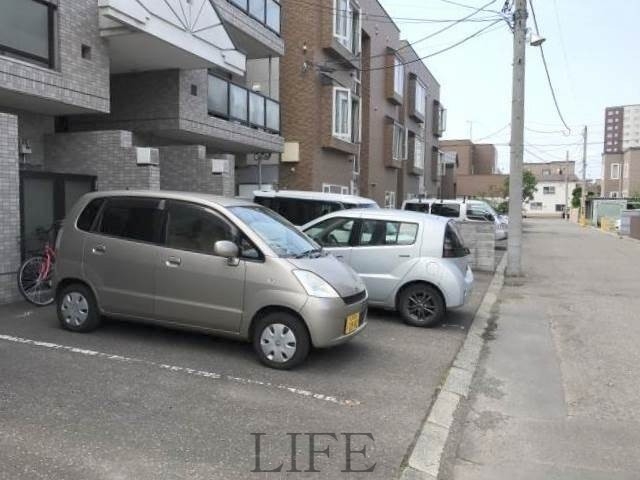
[479, 237]
[188, 168]
[74, 81]
[108, 155]
[10, 211]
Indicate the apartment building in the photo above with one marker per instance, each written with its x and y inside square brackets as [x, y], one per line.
[120, 95]
[621, 158]
[556, 182]
[361, 112]
[476, 173]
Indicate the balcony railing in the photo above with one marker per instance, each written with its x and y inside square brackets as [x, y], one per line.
[267, 12]
[239, 104]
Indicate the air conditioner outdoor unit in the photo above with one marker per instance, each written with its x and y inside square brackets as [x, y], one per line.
[219, 167]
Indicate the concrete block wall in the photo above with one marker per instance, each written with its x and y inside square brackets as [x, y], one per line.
[10, 211]
[188, 168]
[109, 155]
[479, 237]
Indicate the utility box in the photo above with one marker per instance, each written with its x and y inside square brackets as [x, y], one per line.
[625, 220]
[634, 227]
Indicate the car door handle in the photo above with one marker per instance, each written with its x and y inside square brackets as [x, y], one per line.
[404, 256]
[173, 262]
[99, 249]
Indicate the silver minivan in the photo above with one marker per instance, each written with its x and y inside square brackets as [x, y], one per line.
[208, 263]
[414, 263]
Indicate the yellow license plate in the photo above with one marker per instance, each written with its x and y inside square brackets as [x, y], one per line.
[353, 321]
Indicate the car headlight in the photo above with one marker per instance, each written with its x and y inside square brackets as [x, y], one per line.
[315, 285]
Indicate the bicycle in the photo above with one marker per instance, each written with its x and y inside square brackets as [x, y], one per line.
[36, 273]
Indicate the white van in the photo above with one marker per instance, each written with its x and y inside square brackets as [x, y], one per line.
[461, 210]
[300, 207]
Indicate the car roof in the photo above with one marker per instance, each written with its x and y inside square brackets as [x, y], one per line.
[386, 213]
[303, 194]
[202, 198]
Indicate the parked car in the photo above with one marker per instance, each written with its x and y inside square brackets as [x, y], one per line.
[460, 210]
[213, 264]
[300, 207]
[414, 263]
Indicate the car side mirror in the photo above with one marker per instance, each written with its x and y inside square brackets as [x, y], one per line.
[490, 217]
[228, 250]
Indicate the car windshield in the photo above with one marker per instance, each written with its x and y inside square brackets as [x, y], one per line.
[283, 238]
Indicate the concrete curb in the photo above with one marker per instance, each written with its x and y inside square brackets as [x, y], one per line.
[425, 459]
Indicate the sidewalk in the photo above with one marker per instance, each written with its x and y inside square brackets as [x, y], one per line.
[557, 393]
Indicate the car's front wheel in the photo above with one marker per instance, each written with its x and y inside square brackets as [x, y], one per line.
[78, 309]
[281, 340]
[421, 305]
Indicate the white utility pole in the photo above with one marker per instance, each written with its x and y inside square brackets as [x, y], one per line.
[583, 196]
[514, 241]
[566, 188]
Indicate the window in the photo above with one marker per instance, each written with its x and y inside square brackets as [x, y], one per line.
[417, 207]
[559, 207]
[442, 119]
[346, 25]
[330, 188]
[418, 153]
[546, 172]
[300, 212]
[356, 120]
[398, 77]
[191, 227]
[88, 215]
[613, 194]
[450, 210]
[26, 31]
[334, 232]
[278, 234]
[420, 98]
[399, 142]
[615, 171]
[535, 205]
[549, 190]
[132, 218]
[389, 199]
[342, 113]
[380, 232]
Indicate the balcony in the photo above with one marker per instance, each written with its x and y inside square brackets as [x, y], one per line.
[238, 104]
[254, 26]
[152, 35]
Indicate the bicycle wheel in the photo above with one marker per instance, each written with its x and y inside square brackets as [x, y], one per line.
[34, 281]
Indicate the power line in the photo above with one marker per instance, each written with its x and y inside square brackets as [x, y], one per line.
[451, 2]
[494, 133]
[546, 69]
[382, 18]
[427, 37]
[446, 49]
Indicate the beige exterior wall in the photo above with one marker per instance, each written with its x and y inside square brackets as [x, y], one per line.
[480, 185]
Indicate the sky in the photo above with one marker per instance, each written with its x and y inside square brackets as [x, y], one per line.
[592, 54]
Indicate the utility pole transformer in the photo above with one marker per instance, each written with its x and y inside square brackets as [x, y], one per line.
[514, 241]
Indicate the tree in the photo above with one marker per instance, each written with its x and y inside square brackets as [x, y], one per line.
[529, 182]
[576, 197]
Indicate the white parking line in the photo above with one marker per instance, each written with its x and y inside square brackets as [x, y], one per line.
[189, 371]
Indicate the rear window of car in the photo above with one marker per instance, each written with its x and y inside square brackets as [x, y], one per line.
[132, 218]
[450, 210]
[88, 215]
[417, 207]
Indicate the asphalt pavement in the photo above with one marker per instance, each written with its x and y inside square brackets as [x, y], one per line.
[132, 401]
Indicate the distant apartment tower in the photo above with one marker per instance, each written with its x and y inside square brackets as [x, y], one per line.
[361, 112]
[621, 158]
